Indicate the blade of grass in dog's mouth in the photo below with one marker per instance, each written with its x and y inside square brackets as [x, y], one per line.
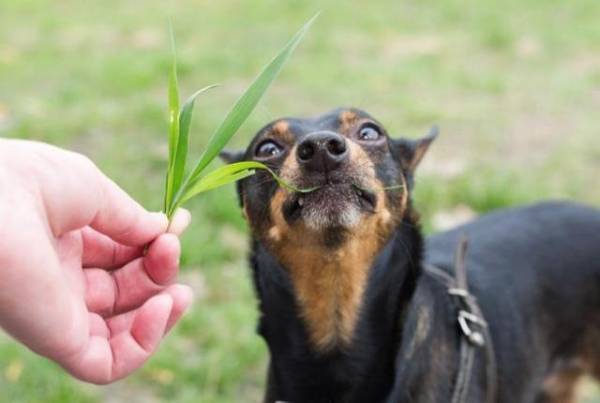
[232, 172]
[177, 190]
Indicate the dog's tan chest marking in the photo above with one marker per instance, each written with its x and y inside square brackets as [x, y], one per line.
[329, 284]
[329, 288]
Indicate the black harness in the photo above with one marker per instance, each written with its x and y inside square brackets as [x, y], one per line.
[472, 325]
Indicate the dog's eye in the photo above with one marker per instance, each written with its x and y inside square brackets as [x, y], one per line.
[369, 133]
[268, 149]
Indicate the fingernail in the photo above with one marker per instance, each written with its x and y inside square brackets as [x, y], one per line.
[187, 213]
[188, 297]
[187, 219]
[184, 214]
[161, 219]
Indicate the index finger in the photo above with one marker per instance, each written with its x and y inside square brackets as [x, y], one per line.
[123, 219]
[76, 193]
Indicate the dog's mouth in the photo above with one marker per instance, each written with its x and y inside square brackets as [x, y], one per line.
[332, 204]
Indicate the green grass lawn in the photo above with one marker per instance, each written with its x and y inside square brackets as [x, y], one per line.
[514, 86]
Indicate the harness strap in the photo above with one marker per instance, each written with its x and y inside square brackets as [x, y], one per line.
[474, 329]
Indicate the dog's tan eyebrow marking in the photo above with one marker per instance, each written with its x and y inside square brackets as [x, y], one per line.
[281, 129]
[347, 116]
[346, 119]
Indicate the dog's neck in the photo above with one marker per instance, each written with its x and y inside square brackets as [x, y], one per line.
[365, 350]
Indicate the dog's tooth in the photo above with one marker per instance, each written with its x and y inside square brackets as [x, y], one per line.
[300, 201]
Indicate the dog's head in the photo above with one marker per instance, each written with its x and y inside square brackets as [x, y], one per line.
[327, 239]
[362, 177]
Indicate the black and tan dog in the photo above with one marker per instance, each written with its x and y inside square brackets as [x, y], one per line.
[349, 314]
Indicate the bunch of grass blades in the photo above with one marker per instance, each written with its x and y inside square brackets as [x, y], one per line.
[180, 188]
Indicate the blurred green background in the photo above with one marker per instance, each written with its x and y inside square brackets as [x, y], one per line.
[514, 86]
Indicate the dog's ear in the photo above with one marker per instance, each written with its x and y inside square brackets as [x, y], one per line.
[230, 156]
[410, 152]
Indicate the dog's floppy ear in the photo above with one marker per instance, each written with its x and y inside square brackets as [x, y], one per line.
[230, 156]
[410, 152]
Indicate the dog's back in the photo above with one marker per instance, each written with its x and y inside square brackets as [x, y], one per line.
[536, 273]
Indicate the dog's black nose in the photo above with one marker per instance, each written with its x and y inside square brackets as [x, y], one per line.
[322, 151]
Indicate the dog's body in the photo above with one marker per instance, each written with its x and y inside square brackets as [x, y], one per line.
[347, 310]
[536, 274]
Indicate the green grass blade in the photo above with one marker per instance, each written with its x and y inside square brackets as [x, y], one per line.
[393, 187]
[204, 185]
[173, 125]
[246, 103]
[214, 177]
[231, 173]
[233, 168]
[258, 165]
[181, 150]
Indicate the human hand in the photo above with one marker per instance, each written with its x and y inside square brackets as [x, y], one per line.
[77, 284]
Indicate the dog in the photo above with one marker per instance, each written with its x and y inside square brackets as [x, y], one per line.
[347, 308]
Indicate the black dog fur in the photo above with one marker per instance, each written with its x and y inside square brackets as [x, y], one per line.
[535, 271]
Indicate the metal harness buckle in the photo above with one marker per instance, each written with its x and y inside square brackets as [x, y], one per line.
[466, 318]
[474, 336]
